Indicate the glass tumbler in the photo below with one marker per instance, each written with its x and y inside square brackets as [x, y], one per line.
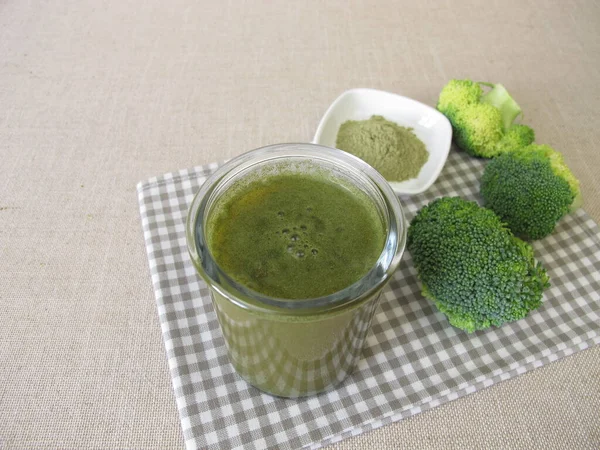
[294, 348]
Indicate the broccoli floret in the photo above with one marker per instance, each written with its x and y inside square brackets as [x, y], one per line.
[531, 189]
[478, 128]
[483, 123]
[457, 94]
[517, 136]
[471, 266]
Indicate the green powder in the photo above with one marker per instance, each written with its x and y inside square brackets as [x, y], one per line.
[393, 150]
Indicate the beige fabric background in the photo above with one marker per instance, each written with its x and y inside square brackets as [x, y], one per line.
[97, 95]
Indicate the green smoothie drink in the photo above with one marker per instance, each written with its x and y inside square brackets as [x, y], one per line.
[295, 235]
[296, 242]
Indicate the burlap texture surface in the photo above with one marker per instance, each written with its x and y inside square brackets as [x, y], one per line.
[95, 96]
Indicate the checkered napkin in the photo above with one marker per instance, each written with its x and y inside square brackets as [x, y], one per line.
[413, 359]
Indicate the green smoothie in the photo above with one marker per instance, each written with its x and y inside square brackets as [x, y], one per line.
[295, 235]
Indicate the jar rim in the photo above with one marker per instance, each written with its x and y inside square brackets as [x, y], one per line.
[247, 298]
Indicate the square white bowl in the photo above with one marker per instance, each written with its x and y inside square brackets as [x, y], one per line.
[428, 124]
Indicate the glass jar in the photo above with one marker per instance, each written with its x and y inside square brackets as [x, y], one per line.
[294, 348]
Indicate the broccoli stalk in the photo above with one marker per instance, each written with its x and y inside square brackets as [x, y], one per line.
[483, 123]
[499, 98]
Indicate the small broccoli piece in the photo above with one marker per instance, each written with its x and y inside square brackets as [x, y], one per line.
[472, 267]
[531, 189]
[478, 128]
[457, 94]
[517, 136]
[483, 122]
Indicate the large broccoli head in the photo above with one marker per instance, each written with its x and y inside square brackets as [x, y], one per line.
[472, 267]
[531, 189]
[483, 122]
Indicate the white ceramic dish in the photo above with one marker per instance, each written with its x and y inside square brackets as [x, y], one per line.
[429, 125]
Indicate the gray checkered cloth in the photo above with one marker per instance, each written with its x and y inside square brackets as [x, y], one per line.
[413, 359]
